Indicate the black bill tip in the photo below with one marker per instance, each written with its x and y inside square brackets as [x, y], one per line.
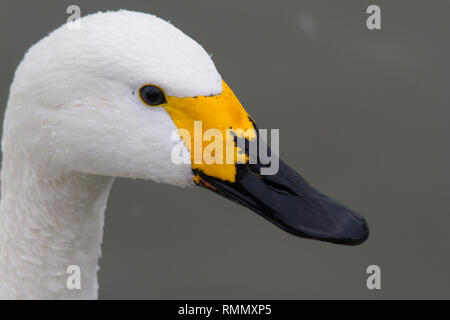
[333, 222]
[288, 201]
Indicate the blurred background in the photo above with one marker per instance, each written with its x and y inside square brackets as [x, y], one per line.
[363, 115]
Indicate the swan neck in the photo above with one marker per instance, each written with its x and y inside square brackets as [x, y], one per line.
[49, 222]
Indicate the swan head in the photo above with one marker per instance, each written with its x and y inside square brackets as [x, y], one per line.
[112, 98]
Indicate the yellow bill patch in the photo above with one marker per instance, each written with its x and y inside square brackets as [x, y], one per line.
[212, 122]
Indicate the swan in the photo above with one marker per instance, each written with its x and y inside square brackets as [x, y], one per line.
[103, 101]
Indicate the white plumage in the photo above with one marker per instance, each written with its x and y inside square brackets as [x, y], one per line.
[73, 122]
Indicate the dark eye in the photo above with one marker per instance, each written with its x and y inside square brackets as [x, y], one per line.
[152, 95]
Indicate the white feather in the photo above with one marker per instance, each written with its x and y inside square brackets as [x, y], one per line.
[74, 121]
